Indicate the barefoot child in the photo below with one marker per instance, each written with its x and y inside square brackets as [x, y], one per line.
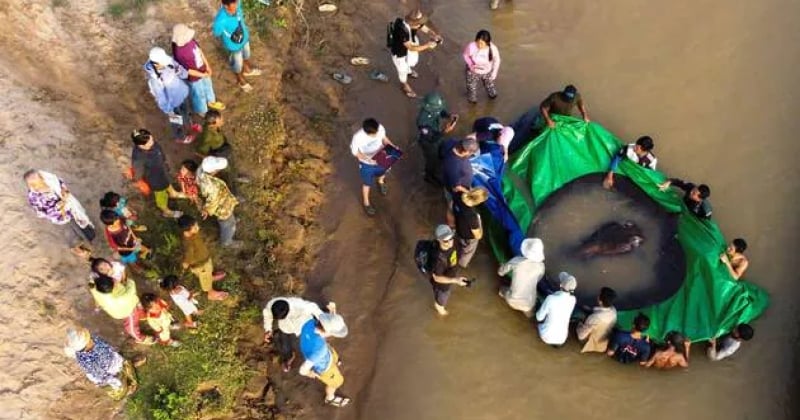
[122, 239]
[119, 204]
[183, 298]
[159, 319]
[197, 259]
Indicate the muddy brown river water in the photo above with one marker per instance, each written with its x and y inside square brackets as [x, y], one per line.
[714, 82]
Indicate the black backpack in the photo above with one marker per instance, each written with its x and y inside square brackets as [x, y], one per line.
[390, 31]
[425, 255]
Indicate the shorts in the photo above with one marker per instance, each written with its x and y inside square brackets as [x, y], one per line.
[369, 172]
[404, 65]
[202, 94]
[236, 59]
[332, 377]
[441, 293]
[130, 258]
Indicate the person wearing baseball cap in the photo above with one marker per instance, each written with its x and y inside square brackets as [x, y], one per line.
[218, 199]
[445, 268]
[189, 55]
[562, 103]
[166, 80]
[556, 310]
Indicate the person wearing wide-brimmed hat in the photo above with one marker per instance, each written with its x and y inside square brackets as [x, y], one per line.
[189, 55]
[556, 310]
[102, 363]
[405, 47]
[469, 228]
[526, 271]
[321, 360]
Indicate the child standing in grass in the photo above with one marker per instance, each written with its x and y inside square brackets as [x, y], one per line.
[183, 298]
[119, 204]
[197, 259]
[121, 238]
[158, 318]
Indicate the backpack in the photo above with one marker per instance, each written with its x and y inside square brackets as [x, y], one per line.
[425, 255]
[390, 31]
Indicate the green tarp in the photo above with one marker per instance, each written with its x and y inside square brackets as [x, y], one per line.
[709, 303]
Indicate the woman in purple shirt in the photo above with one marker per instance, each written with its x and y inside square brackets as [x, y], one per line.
[51, 200]
[189, 55]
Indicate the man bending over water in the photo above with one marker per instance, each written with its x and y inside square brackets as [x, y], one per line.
[695, 197]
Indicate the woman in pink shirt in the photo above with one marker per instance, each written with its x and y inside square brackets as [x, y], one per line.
[483, 62]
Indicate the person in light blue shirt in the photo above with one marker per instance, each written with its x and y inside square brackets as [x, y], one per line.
[321, 360]
[229, 26]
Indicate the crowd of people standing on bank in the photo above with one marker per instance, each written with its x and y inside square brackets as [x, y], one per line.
[181, 85]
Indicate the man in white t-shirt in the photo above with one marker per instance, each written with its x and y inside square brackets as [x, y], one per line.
[556, 310]
[291, 313]
[366, 143]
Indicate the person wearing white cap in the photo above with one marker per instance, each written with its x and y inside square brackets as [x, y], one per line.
[556, 310]
[526, 271]
[218, 199]
[102, 363]
[445, 268]
[189, 55]
[167, 82]
[321, 360]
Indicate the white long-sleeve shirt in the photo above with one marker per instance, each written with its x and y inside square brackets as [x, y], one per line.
[525, 274]
[727, 347]
[300, 311]
[553, 317]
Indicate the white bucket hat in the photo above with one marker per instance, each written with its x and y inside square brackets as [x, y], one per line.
[213, 164]
[567, 281]
[77, 340]
[333, 324]
[533, 249]
[159, 56]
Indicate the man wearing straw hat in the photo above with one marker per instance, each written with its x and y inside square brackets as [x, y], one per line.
[469, 228]
[405, 47]
[321, 360]
[189, 55]
[526, 271]
[102, 364]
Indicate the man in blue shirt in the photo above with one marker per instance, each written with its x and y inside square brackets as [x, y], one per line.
[229, 26]
[321, 360]
[457, 172]
[632, 346]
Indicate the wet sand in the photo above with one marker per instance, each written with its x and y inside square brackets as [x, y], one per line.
[712, 82]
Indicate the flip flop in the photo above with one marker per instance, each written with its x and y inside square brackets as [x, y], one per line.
[359, 61]
[410, 93]
[327, 7]
[379, 76]
[338, 401]
[342, 78]
[383, 188]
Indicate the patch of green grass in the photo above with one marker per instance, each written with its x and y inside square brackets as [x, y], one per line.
[120, 7]
[170, 381]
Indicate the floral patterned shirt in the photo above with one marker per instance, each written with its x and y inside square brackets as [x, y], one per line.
[46, 206]
[101, 364]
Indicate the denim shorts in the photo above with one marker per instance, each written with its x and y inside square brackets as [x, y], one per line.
[202, 93]
[236, 59]
[369, 172]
